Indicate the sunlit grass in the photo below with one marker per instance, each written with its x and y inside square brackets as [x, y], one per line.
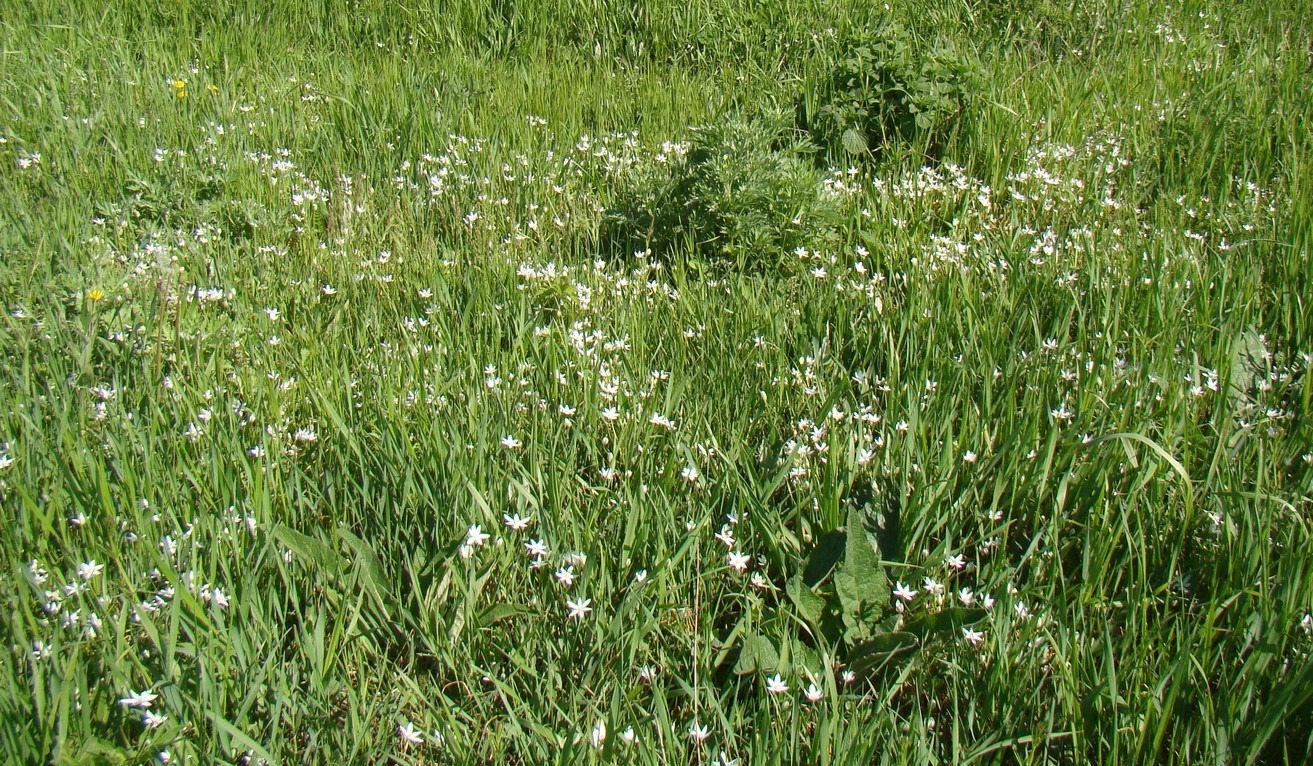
[334, 429]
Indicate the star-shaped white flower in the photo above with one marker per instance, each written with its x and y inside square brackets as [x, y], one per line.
[579, 608]
[476, 536]
[139, 699]
[409, 734]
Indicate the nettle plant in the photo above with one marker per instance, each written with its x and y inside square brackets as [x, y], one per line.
[741, 192]
[839, 599]
[888, 88]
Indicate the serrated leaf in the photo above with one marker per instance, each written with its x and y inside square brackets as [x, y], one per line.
[366, 561]
[809, 605]
[757, 654]
[829, 549]
[854, 142]
[312, 550]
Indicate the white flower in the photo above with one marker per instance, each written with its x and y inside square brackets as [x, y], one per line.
[273, 314]
[536, 548]
[328, 290]
[724, 760]
[579, 608]
[139, 699]
[475, 536]
[640, 576]
[726, 536]
[956, 562]
[610, 414]
[904, 592]
[813, 694]
[738, 561]
[689, 473]
[151, 719]
[968, 457]
[510, 442]
[848, 676]
[515, 522]
[697, 732]
[966, 597]
[566, 576]
[598, 736]
[90, 569]
[776, 685]
[409, 734]
[934, 588]
[973, 636]
[305, 435]
[629, 736]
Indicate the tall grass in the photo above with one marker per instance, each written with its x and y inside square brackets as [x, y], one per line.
[296, 297]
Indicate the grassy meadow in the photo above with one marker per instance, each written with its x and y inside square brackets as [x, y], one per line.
[656, 382]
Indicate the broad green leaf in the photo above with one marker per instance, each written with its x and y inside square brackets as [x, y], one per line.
[313, 551]
[96, 752]
[371, 571]
[853, 141]
[757, 654]
[828, 551]
[931, 625]
[861, 584]
[499, 612]
[874, 654]
[1249, 363]
[810, 605]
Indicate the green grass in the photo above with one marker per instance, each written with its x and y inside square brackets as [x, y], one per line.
[284, 284]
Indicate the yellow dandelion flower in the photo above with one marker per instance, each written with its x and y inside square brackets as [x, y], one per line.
[95, 294]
